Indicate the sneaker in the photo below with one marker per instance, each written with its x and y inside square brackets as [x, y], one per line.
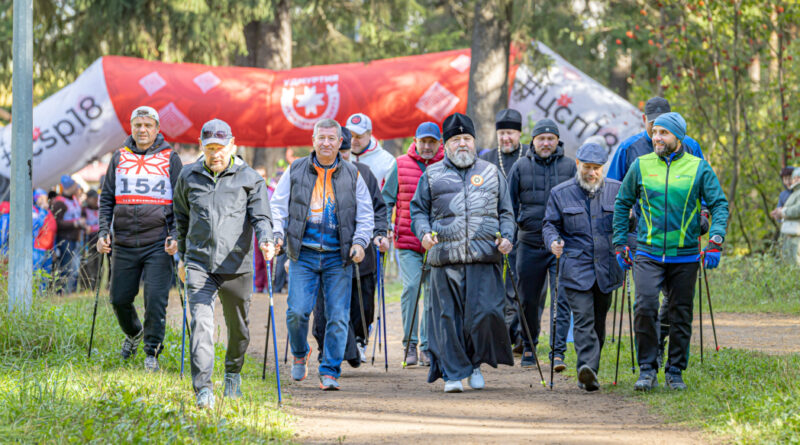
[424, 358]
[300, 367]
[476, 379]
[648, 379]
[233, 386]
[328, 383]
[453, 386]
[205, 399]
[362, 351]
[131, 345]
[673, 379]
[151, 363]
[518, 348]
[528, 359]
[588, 378]
[354, 362]
[411, 357]
[558, 364]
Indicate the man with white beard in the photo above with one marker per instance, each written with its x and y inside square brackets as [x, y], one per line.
[578, 230]
[460, 206]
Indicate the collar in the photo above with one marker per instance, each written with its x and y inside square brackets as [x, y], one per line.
[211, 172]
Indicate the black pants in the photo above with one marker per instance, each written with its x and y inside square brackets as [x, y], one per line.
[128, 265]
[533, 266]
[677, 282]
[356, 329]
[589, 310]
[234, 292]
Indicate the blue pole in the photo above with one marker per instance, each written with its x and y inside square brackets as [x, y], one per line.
[20, 264]
[274, 337]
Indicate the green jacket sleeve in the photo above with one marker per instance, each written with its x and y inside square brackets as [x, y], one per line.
[711, 193]
[626, 198]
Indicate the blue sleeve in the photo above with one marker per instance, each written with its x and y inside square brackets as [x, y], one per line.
[617, 168]
[694, 147]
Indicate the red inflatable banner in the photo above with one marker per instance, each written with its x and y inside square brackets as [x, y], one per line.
[279, 108]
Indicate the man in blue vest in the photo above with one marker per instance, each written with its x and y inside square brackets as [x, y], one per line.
[577, 228]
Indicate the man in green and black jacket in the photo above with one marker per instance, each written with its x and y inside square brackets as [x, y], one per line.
[668, 185]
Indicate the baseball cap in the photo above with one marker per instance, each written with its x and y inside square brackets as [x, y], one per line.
[359, 123]
[145, 111]
[215, 131]
[655, 107]
[428, 130]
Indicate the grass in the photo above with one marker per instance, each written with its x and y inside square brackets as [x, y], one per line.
[51, 393]
[755, 283]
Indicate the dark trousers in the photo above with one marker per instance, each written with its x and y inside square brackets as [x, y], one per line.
[69, 254]
[234, 292]
[515, 330]
[533, 267]
[355, 330]
[677, 282]
[128, 265]
[589, 309]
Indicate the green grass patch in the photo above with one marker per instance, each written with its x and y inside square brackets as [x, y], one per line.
[51, 393]
[755, 283]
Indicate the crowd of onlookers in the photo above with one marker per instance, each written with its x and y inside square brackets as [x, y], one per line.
[787, 213]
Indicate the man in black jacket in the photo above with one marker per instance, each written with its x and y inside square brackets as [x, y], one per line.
[137, 197]
[529, 184]
[219, 202]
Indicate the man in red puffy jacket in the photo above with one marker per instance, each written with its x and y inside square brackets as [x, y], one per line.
[426, 149]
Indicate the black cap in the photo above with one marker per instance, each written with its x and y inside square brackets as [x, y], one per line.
[545, 126]
[787, 171]
[655, 107]
[456, 124]
[508, 119]
[346, 137]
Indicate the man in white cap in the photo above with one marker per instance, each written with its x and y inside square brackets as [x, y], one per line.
[137, 198]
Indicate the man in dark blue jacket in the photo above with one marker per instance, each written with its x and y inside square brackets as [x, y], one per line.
[578, 230]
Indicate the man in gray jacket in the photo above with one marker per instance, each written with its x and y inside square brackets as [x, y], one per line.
[219, 201]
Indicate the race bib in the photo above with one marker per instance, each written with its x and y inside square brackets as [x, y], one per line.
[143, 179]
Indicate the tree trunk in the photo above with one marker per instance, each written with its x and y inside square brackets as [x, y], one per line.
[620, 72]
[269, 45]
[488, 71]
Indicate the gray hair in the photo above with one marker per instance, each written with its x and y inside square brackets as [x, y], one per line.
[328, 123]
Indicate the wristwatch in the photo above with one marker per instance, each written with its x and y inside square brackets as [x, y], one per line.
[716, 239]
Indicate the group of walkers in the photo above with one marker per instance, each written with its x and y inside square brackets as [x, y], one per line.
[479, 236]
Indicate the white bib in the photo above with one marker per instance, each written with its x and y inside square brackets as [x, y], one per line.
[143, 179]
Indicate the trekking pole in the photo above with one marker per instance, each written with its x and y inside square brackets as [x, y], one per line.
[274, 338]
[94, 313]
[554, 311]
[266, 343]
[377, 337]
[522, 316]
[614, 317]
[710, 310]
[361, 303]
[286, 349]
[383, 310]
[407, 339]
[619, 334]
[630, 323]
[184, 324]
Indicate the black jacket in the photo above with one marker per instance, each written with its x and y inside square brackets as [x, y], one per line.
[493, 155]
[216, 216]
[137, 224]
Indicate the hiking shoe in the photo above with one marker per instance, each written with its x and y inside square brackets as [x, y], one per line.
[205, 399]
[354, 362]
[424, 358]
[518, 348]
[648, 379]
[328, 383]
[362, 351]
[131, 345]
[528, 359]
[151, 363]
[558, 364]
[588, 378]
[300, 367]
[453, 386]
[476, 379]
[673, 379]
[233, 386]
[411, 357]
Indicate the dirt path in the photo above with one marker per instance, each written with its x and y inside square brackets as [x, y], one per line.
[399, 406]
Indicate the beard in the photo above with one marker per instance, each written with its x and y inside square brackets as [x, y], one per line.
[462, 159]
[666, 149]
[509, 149]
[590, 188]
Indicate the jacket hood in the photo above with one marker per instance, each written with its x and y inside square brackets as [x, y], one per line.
[158, 145]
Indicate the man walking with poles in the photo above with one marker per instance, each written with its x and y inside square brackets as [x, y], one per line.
[577, 228]
[668, 185]
[137, 197]
[219, 202]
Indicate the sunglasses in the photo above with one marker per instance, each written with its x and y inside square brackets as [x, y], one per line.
[215, 134]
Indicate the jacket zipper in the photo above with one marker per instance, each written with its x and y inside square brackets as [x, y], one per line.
[324, 205]
[666, 197]
[211, 216]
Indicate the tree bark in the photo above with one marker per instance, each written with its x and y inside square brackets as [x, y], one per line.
[488, 71]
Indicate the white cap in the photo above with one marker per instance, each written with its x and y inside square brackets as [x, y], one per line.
[359, 123]
[145, 111]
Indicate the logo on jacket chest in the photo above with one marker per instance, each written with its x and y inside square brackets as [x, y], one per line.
[476, 180]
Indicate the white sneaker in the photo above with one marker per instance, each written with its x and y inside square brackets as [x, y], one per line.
[476, 379]
[453, 386]
[362, 352]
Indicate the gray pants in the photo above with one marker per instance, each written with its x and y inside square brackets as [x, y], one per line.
[234, 292]
[589, 309]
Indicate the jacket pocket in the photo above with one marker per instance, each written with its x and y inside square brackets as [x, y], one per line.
[575, 220]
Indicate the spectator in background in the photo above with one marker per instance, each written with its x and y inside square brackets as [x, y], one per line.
[786, 178]
[790, 214]
[91, 260]
[66, 209]
[44, 236]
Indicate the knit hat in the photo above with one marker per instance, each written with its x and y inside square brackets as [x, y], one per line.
[456, 124]
[67, 181]
[545, 126]
[673, 122]
[508, 119]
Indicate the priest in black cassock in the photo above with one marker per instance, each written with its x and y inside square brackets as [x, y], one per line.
[459, 207]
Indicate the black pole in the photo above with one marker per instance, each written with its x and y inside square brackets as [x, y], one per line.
[710, 310]
[524, 320]
[619, 334]
[96, 298]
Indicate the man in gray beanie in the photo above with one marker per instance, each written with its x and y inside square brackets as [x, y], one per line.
[577, 229]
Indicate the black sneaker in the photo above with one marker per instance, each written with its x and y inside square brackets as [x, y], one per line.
[558, 364]
[528, 359]
[673, 379]
[648, 379]
[588, 378]
[131, 345]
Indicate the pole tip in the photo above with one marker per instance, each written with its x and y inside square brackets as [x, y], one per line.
[404, 364]
[544, 383]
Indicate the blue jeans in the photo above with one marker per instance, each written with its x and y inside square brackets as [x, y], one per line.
[313, 270]
[411, 271]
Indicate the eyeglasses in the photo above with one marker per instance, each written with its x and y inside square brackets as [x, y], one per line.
[215, 134]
